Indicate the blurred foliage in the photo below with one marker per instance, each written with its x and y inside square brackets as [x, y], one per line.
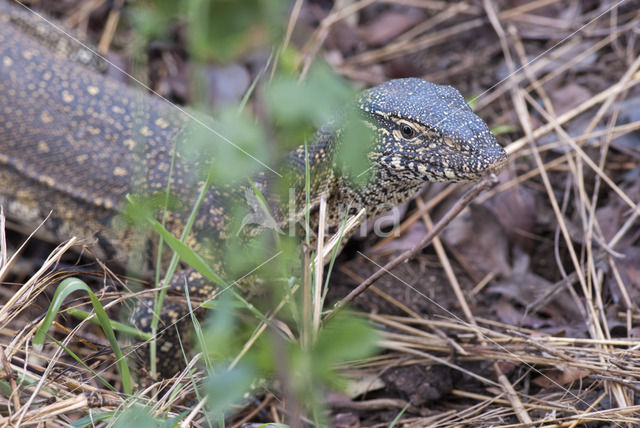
[140, 417]
[323, 99]
[233, 150]
[319, 98]
[218, 30]
[230, 148]
[136, 416]
[310, 370]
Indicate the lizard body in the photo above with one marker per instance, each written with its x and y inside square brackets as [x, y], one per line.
[74, 143]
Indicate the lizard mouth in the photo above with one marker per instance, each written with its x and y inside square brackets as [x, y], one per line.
[462, 168]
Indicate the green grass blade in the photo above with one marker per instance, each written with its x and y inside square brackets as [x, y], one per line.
[307, 192]
[189, 256]
[82, 363]
[197, 328]
[252, 87]
[117, 326]
[399, 415]
[334, 254]
[159, 299]
[194, 260]
[66, 287]
[264, 206]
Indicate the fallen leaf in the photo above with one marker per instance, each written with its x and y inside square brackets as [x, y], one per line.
[557, 378]
[389, 25]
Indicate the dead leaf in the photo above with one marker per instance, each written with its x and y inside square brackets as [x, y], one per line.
[536, 296]
[480, 240]
[517, 211]
[629, 269]
[557, 378]
[389, 25]
[569, 96]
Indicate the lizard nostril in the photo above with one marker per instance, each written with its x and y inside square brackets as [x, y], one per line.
[450, 142]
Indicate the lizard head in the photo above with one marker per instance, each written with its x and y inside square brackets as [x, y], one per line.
[427, 132]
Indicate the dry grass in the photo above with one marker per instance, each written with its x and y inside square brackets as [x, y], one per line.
[521, 376]
[573, 368]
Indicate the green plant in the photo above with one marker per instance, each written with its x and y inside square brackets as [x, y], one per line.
[241, 342]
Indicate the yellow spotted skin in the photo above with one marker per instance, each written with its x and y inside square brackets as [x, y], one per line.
[74, 143]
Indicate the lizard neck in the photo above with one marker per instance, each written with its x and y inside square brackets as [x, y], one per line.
[381, 193]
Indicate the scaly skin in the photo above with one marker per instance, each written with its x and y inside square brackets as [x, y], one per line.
[74, 143]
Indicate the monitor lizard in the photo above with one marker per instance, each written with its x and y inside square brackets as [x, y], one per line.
[74, 143]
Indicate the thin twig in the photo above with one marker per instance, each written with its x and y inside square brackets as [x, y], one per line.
[486, 183]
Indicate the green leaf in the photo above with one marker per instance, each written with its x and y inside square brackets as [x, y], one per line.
[228, 387]
[318, 99]
[5, 388]
[136, 416]
[91, 419]
[224, 29]
[231, 148]
[473, 101]
[355, 145]
[345, 338]
[503, 129]
[218, 341]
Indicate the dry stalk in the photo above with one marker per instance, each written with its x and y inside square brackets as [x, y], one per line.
[448, 269]
[484, 184]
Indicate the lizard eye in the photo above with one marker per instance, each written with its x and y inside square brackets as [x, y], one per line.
[407, 131]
